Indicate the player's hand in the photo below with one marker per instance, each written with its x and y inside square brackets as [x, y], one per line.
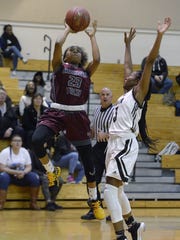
[93, 31]
[130, 37]
[102, 136]
[67, 28]
[162, 27]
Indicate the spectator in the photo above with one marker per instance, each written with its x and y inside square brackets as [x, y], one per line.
[8, 118]
[15, 168]
[39, 82]
[100, 131]
[1, 56]
[11, 47]
[66, 156]
[50, 193]
[8, 99]
[31, 116]
[26, 99]
[160, 83]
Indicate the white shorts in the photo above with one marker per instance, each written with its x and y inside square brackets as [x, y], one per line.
[120, 157]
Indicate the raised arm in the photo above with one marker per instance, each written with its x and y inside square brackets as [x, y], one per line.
[142, 87]
[92, 66]
[57, 55]
[128, 67]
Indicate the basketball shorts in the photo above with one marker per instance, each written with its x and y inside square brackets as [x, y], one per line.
[121, 157]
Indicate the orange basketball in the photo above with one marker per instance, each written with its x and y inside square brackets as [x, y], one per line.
[77, 18]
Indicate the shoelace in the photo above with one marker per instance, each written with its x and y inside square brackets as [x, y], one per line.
[96, 205]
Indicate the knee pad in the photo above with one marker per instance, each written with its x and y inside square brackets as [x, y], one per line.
[112, 203]
[124, 201]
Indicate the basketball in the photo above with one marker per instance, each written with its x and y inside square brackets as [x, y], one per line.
[77, 18]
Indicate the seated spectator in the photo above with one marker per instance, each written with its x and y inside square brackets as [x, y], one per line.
[1, 56]
[8, 99]
[39, 83]
[26, 99]
[66, 156]
[31, 116]
[11, 47]
[15, 168]
[160, 83]
[50, 193]
[8, 118]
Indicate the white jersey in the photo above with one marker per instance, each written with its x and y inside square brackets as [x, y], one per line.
[127, 114]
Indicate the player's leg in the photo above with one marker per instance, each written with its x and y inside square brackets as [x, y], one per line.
[114, 206]
[42, 135]
[85, 153]
[98, 154]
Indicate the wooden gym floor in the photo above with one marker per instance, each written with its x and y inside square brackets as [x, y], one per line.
[67, 225]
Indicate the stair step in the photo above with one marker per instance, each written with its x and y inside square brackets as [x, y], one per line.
[152, 188]
[140, 164]
[154, 179]
[144, 157]
[154, 196]
[149, 172]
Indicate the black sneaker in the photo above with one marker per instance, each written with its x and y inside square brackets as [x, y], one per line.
[88, 216]
[136, 230]
[50, 206]
[57, 207]
[122, 238]
[108, 218]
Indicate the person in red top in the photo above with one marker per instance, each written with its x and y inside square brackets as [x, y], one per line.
[69, 92]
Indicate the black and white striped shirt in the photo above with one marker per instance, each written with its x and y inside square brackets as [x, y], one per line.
[102, 119]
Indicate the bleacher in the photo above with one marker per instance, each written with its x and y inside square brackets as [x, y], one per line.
[161, 120]
[172, 162]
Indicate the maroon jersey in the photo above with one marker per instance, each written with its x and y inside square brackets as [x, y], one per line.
[70, 85]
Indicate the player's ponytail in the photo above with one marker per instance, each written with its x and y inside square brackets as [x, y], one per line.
[148, 142]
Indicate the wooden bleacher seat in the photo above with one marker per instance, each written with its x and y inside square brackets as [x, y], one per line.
[34, 65]
[7, 62]
[171, 161]
[71, 195]
[4, 71]
[177, 175]
[15, 94]
[8, 82]
[4, 143]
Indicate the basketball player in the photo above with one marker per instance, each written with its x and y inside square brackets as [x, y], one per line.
[69, 92]
[129, 83]
[122, 148]
[100, 132]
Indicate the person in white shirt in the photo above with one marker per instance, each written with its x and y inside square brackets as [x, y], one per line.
[15, 168]
[26, 98]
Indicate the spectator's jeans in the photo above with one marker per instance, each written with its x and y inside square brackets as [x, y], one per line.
[71, 162]
[14, 53]
[30, 179]
[164, 89]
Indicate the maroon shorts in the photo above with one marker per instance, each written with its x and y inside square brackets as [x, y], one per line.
[76, 124]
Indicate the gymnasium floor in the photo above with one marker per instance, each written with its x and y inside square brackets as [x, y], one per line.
[161, 224]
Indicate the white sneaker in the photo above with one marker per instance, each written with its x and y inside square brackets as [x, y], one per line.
[24, 60]
[14, 73]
